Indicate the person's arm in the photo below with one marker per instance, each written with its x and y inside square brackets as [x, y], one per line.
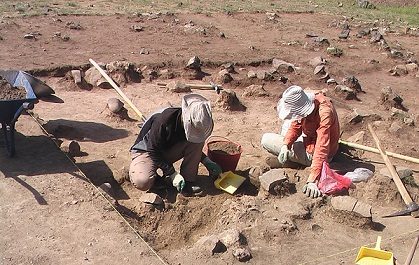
[213, 168]
[322, 146]
[157, 140]
[293, 132]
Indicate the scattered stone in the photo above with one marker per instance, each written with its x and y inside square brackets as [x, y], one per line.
[254, 174]
[354, 117]
[94, 78]
[222, 35]
[115, 105]
[272, 178]
[344, 34]
[334, 51]
[152, 198]
[124, 72]
[137, 28]
[363, 32]
[376, 37]
[255, 91]
[395, 127]
[230, 237]
[288, 226]
[401, 171]
[316, 61]
[167, 74]
[365, 4]
[320, 69]
[242, 254]
[264, 75]
[311, 35]
[325, 77]
[282, 67]
[29, 36]
[391, 100]
[412, 67]
[73, 25]
[352, 82]
[321, 41]
[194, 63]
[177, 87]
[224, 77]
[395, 54]
[76, 74]
[106, 188]
[144, 51]
[251, 74]
[331, 81]
[345, 92]
[229, 67]
[210, 244]
[351, 204]
[409, 121]
[70, 147]
[227, 100]
[357, 138]
[363, 209]
[395, 112]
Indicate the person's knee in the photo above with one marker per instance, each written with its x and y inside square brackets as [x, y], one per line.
[141, 183]
[265, 140]
[139, 179]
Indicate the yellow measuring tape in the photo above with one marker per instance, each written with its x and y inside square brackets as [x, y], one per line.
[99, 191]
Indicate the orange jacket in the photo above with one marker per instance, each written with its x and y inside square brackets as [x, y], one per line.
[321, 133]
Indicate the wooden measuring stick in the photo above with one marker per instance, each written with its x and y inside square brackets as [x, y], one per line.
[115, 86]
[400, 186]
[374, 150]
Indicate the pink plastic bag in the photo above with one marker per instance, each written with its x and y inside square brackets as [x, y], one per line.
[331, 182]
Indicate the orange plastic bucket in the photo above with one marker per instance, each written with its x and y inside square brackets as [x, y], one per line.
[225, 153]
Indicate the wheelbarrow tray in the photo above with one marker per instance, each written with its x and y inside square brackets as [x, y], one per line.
[21, 78]
[10, 110]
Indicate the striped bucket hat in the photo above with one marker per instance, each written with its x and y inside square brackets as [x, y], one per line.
[295, 104]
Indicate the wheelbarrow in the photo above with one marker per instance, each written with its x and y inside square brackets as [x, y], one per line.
[11, 109]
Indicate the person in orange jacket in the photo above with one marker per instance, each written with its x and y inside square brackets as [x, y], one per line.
[312, 136]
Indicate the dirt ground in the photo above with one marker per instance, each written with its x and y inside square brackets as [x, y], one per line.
[52, 211]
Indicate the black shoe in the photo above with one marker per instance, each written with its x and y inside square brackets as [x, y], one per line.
[191, 189]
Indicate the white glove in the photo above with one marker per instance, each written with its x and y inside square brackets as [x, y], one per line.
[177, 181]
[311, 190]
[283, 154]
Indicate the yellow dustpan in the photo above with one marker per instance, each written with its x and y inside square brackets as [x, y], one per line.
[374, 256]
[229, 182]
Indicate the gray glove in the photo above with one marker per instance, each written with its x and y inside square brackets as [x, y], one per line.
[311, 190]
[177, 181]
[283, 154]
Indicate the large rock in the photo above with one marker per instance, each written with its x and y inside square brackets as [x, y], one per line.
[351, 204]
[272, 178]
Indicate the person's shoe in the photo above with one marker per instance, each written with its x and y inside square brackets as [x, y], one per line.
[191, 189]
[273, 162]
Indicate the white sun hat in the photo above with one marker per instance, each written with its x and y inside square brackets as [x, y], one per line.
[197, 118]
[295, 104]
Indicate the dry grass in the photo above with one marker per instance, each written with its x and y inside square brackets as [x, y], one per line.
[402, 15]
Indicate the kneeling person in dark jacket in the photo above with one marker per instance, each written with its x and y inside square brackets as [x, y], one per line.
[169, 135]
